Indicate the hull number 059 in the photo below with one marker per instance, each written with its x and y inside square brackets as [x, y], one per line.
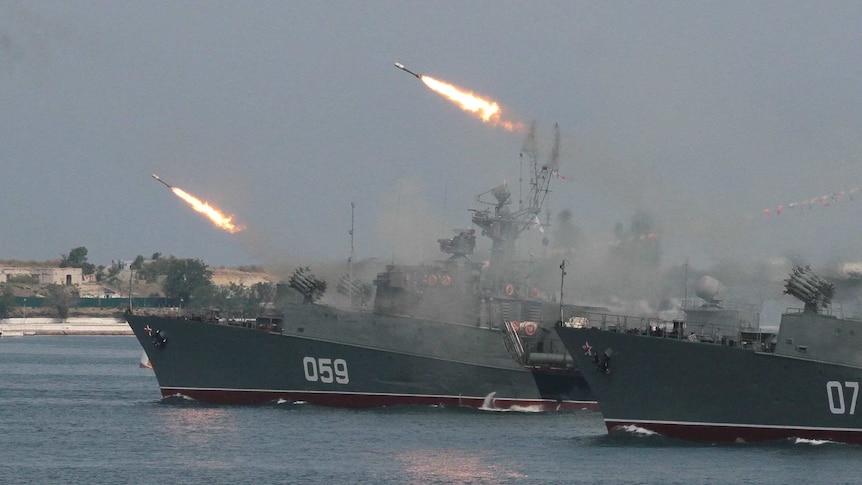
[326, 371]
[842, 396]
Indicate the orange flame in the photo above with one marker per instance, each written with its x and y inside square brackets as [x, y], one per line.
[488, 111]
[220, 220]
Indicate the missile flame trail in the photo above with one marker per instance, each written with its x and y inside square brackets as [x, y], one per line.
[218, 218]
[487, 110]
[221, 220]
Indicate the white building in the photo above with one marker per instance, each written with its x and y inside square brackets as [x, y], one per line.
[58, 276]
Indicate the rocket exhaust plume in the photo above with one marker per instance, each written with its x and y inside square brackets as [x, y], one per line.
[487, 110]
[216, 216]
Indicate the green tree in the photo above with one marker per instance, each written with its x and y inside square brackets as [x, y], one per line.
[203, 296]
[100, 273]
[155, 268]
[237, 294]
[77, 258]
[137, 264]
[253, 298]
[184, 276]
[61, 298]
[7, 301]
[262, 292]
[112, 273]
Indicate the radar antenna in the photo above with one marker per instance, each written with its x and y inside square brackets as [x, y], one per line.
[504, 226]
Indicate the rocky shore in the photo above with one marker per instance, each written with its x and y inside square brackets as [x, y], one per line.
[12, 327]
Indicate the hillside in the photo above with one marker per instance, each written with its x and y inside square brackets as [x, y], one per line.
[115, 291]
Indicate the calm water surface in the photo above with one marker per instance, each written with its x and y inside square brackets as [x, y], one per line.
[80, 410]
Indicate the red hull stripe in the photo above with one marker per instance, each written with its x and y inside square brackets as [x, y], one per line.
[364, 400]
[726, 432]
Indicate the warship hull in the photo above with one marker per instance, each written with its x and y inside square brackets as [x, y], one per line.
[806, 388]
[353, 359]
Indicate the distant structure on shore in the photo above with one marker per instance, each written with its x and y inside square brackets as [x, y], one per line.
[43, 274]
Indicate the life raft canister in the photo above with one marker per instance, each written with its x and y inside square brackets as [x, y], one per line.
[530, 328]
[445, 280]
[510, 290]
[515, 326]
[535, 292]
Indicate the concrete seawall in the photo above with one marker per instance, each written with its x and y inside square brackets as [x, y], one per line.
[70, 326]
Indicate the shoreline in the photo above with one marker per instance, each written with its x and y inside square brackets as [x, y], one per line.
[18, 327]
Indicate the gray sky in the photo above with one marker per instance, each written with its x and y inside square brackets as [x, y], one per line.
[283, 113]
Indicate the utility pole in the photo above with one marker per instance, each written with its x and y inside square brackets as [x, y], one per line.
[131, 273]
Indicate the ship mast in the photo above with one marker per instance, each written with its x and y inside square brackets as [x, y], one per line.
[352, 253]
[502, 225]
[348, 285]
[563, 266]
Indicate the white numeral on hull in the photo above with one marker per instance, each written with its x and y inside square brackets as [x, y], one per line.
[836, 391]
[326, 371]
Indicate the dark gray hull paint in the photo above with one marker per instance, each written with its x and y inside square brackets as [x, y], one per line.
[347, 359]
[712, 392]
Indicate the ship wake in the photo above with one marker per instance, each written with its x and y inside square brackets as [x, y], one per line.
[178, 398]
[490, 404]
[806, 441]
[637, 430]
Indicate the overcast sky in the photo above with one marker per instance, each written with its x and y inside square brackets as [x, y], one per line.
[702, 114]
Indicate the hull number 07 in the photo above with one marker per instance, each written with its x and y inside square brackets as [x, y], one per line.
[842, 396]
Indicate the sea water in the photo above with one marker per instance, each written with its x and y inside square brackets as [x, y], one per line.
[81, 410]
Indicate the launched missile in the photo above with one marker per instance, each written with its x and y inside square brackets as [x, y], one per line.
[401, 66]
[162, 181]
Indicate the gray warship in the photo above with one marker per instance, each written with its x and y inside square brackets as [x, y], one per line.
[455, 332]
[728, 385]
